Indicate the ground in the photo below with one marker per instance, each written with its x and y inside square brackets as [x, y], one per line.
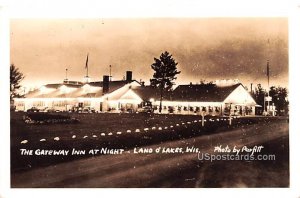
[149, 170]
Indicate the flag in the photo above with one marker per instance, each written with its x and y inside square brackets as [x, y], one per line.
[87, 61]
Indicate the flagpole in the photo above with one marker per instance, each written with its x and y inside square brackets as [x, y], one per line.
[87, 71]
[268, 74]
[66, 74]
[86, 65]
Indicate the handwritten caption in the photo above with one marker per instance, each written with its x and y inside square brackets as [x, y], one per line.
[238, 150]
[108, 151]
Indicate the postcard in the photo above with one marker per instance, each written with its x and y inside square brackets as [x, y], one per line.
[149, 103]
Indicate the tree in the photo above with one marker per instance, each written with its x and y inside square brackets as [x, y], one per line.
[15, 79]
[258, 96]
[279, 98]
[165, 71]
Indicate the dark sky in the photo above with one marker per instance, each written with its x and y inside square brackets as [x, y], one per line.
[205, 48]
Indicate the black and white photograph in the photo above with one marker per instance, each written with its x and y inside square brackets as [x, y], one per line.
[198, 102]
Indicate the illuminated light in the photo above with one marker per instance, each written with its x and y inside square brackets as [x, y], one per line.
[151, 100]
[218, 119]
[205, 120]
[74, 136]
[42, 140]
[128, 131]
[188, 122]
[195, 121]
[24, 142]
[102, 134]
[171, 126]
[94, 136]
[153, 128]
[130, 97]
[85, 136]
[191, 104]
[45, 90]
[166, 127]
[146, 129]
[56, 138]
[66, 89]
[109, 133]
[183, 123]
[240, 96]
[137, 130]
[119, 132]
[159, 128]
[199, 120]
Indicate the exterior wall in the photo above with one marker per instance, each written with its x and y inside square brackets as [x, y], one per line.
[239, 109]
[20, 105]
[241, 102]
[189, 108]
[56, 103]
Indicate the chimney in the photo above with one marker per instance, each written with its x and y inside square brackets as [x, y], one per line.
[105, 84]
[128, 76]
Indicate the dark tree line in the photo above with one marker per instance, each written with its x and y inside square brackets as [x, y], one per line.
[279, 98]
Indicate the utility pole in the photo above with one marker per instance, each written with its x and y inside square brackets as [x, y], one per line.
[268, 74]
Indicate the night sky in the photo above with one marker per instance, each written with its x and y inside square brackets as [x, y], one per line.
[205, 48]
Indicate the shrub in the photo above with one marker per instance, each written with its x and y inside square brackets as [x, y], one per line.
[46, 118]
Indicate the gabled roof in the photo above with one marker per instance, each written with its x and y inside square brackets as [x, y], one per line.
[148, 92]
[113, 85]
[56, 86]
[202, 92]
[53, 90]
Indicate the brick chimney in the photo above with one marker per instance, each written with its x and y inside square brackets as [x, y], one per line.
[105, 84]
[129, 76]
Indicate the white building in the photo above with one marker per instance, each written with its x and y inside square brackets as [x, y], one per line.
[129, 95]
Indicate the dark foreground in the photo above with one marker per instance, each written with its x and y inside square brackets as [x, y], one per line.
[179, 169]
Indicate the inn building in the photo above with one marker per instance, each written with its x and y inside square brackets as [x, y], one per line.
[128, 95]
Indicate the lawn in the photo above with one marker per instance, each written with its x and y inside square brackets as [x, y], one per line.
[108, 130]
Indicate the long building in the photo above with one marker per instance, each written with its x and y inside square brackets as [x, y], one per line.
[129, 95]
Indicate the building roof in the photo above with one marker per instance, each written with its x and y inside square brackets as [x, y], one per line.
[147, 92]
[188, 93]
[202, 92]
[113, 85]
[75, 90]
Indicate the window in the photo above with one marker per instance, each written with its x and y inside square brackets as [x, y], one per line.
[38, 103]
[59, 103]
[87, 103]
[20, 104]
